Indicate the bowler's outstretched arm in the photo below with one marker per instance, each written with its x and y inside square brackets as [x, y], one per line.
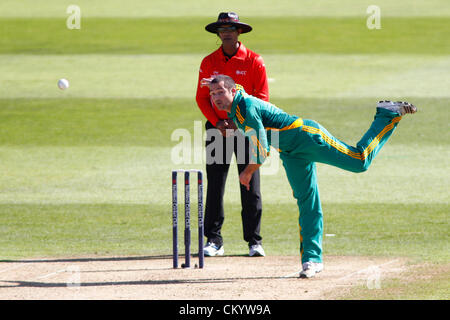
[246, 175]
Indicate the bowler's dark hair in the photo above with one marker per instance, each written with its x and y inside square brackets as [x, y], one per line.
[228, 82]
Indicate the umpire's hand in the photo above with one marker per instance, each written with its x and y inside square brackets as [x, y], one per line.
[226, 127]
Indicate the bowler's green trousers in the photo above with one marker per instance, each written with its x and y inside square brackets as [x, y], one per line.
[313, 143]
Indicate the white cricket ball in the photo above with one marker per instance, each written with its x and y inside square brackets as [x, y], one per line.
[63, 84]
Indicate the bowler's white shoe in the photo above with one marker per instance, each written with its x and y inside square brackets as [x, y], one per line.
[256, 250]
[401, 107]
[310, 269]
[211, 249]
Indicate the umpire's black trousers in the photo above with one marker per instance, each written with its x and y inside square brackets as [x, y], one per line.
[216, 173]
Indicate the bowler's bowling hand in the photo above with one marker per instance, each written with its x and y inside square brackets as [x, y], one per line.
[246, 176]
[244, 179]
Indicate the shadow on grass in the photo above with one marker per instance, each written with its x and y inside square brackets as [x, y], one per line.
[37, 284]
[41, 284]
[106, 259]
[89, 259]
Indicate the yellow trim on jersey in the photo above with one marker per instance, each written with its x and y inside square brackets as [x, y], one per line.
[239, 115]
[261, 149]
[344, 149]
[296, 124]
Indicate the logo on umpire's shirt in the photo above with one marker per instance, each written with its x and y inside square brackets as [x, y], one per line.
[242, 73]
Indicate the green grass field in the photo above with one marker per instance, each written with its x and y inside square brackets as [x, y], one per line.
[87, 170]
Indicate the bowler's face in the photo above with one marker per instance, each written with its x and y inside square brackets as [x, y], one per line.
[221, 96]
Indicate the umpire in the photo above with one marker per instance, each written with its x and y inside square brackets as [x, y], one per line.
[247, 69]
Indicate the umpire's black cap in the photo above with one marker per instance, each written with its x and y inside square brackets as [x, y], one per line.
[228, 18]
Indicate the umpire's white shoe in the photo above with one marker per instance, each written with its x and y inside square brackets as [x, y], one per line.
[256, 250]
[310, 269]
[401, 107]
[211, 250]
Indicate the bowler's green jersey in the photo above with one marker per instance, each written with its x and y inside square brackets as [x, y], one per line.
[263, 123]
[302, 143]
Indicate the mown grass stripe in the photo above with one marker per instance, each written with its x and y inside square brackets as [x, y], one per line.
[422, 35]
[175, 76]
[207, 8]
[36, 230]
[150, 122]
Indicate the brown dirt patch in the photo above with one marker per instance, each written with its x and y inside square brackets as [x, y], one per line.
[153, 278]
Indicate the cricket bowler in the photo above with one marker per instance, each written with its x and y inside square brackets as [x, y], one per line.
[302, 143]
